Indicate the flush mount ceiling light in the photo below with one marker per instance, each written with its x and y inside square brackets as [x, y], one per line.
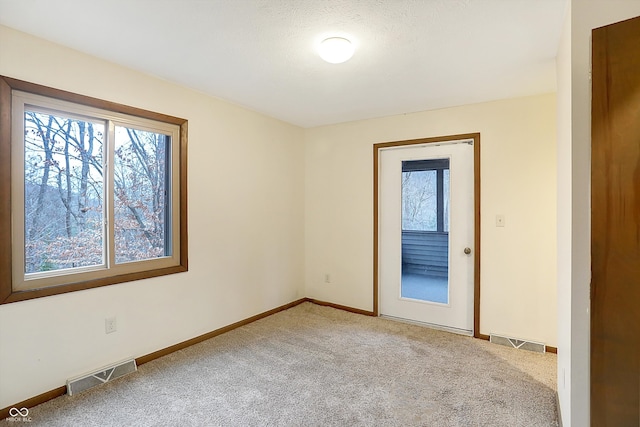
[336, 50]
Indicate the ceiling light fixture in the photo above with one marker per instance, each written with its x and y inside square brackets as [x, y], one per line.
[336, 50]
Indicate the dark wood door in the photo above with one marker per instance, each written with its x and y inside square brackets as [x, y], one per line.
[615, 216]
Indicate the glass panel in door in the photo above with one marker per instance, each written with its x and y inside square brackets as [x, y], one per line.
[425, 230]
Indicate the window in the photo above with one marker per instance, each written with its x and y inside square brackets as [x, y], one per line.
[425, 195]
[92, 193]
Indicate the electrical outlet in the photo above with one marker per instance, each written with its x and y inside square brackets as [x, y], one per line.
[110, 325]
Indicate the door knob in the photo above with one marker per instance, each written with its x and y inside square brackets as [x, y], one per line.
[467, 251]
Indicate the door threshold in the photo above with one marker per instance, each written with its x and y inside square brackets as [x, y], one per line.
[458, 331]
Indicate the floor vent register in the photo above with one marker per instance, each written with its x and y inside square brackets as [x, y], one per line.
[517, 343]
[101, 376]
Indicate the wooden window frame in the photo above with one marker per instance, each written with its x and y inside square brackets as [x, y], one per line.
[8, 293]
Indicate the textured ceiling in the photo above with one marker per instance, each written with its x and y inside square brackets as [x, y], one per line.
[411, 55]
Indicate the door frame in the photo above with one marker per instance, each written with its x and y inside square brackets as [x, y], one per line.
[476, 196]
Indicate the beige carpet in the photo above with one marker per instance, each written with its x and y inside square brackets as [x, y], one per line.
[318, 366]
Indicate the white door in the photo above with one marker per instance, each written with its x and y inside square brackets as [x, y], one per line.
[426, 233]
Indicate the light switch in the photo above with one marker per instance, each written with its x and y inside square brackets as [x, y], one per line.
[499, 220]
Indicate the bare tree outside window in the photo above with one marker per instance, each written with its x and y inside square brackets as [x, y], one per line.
[64, 193]
[419, 200]
[64, 187]
[140, 194]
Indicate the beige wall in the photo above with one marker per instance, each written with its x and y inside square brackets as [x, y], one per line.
[518, 175]
[563, 63]
[574, 176]
[246, 252]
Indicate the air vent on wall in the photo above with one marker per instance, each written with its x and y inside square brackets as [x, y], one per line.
[101, 376]
[517, 343]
